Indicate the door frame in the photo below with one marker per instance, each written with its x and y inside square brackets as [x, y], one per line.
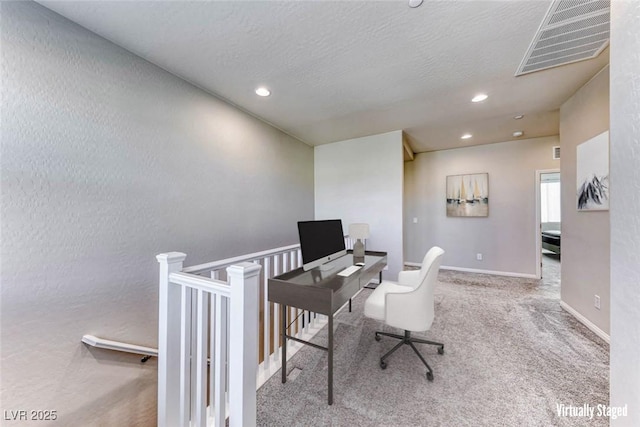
[538, 226]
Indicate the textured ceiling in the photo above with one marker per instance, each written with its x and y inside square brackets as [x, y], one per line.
[340, 70]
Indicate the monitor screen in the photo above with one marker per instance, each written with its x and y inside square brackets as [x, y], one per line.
[320, 242]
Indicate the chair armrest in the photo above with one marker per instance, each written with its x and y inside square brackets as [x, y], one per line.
[400, 307]
[409, 278]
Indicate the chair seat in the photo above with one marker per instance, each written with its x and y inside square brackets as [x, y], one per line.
[374, 306]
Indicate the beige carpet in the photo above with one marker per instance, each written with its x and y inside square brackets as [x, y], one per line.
[512, 355]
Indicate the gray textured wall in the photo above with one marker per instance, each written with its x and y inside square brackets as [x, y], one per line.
[585, 235]
[506, 238]
[108, 160]
[625, 205]
[360, 180]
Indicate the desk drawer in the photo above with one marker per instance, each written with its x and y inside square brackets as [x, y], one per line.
[309, 298]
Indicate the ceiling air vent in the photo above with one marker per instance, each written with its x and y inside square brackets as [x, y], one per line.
[556, 152]
[572, 30]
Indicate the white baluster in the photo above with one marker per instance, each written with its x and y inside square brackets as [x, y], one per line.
[243, 279]
[169, 341]
[220, 361]
[185, 356]
[303, 319]
[194, 344]
[212, 348]
[266, 323]
[200, 361]
[276, 316]
[300, 320]
[285, 268]
[295, 311]
[309, 315]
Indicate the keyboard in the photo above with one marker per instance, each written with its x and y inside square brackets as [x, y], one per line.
[349, 270]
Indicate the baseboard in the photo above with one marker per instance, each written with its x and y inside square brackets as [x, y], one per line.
[586, 322]
[475, 270]
[492, 272]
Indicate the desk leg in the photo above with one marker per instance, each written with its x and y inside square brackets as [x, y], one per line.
[283, 322]
[330, 351]
[368, 286]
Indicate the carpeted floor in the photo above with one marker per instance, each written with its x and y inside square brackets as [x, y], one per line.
[511, 356]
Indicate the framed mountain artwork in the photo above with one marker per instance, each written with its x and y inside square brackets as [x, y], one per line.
[592, 174]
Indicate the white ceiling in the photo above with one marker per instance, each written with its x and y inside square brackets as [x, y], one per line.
[344, 69]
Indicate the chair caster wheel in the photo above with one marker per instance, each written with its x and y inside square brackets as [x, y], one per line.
[378, 337]
[430, 376]
[440, 350]
[383, 364]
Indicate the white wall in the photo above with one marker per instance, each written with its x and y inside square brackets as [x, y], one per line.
[360, 180]
[585, 235]
[506, 238]
[625, 205]
[106, 161]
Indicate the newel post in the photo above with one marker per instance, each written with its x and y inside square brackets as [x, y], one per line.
[243, 343]
[169, 341]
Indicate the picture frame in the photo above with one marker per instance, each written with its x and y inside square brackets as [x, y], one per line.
[468, 195]
[592, 174]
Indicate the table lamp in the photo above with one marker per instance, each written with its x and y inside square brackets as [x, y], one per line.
[359, 232]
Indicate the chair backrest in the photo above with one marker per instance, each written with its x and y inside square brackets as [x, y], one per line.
[416, 311]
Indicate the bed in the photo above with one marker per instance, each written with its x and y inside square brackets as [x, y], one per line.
[551, 241]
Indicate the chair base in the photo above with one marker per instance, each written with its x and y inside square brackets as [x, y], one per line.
[407, 339]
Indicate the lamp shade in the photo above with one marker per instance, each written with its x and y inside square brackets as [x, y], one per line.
[359, 231]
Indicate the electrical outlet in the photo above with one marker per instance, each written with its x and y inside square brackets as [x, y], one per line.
[415, 220]
[479, 257]
[596, 301]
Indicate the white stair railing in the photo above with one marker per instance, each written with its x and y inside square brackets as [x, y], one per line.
[274, 262]
[195, 310]
[189, 332]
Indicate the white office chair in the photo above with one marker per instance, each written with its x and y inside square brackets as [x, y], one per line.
[408, 304]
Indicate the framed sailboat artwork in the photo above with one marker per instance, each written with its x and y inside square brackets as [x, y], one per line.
[468, 195]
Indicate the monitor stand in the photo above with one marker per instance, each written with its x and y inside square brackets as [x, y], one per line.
[327, 266]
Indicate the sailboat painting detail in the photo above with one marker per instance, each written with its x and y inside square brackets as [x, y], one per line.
[468, 195]
[592, 174]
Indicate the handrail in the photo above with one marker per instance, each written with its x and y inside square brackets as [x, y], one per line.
[217, 265]
[147, 352]
[120, 346]
[188, 277]
[202, 283]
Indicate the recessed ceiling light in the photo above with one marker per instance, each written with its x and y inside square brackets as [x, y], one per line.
[518, 117]
[479, 97]
[466, 136]
[415, 3]
[518, 133]
[263, 91]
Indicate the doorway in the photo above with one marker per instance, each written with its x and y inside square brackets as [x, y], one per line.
[548, 223]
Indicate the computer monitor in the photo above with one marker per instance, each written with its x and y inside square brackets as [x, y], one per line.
[320, 242]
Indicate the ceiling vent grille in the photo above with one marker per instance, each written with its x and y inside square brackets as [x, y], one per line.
[572, 30]
[556, 152]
